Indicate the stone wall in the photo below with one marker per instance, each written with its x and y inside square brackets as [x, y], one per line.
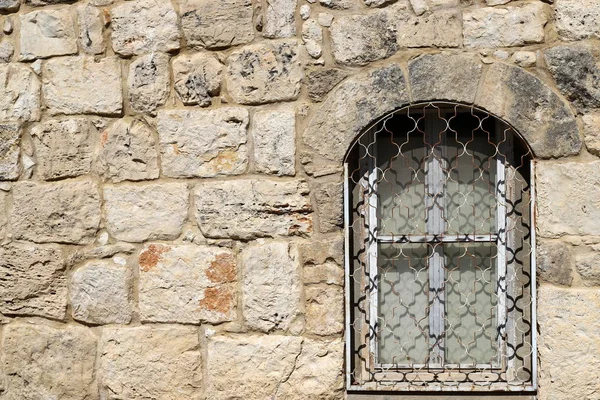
[170, 182]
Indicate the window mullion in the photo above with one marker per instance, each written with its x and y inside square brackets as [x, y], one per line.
[373, 251]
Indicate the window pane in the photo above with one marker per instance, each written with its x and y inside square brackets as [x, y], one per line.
[471, 303]
[403, 303]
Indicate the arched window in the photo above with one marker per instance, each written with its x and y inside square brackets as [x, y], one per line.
[439, 253]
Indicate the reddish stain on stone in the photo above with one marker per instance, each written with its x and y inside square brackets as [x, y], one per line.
[219, 299]
[104, 137]
[222, 269]
[151, 256]
[303, 225]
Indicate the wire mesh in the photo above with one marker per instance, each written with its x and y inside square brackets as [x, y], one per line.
[440, 252]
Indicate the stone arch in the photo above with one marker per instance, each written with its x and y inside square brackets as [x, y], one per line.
[534, 109]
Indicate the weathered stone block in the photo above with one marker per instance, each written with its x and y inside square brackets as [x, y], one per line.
[128, 152]
[19, 93]
[312, 37]
[187, 284]
[47, 33]
[3, 215]
[33, 281]
[64, 148]
[265, 72]
[323, 261]
[101, 293]
[568, 343]
[136, 213]
[274, 134]
[62, 212]
[197, 78]
[588, 267]
[577, 19]
[151, 363]
[205, 25]
[555, 263]
[43, 362]
[81, 85]
[340, 4]
[440, 28]
[91, 28]
[324, 310]
[505, 26]
[591, 132]
[39, 3]
[203, 143]
[144, 26]
[568, 198]
[361, 39]
[321, 81]
[280, 19]
[10, 149]
[272, 286]
[7, 50]
[10, 5]
[246, 209]
[329, 197]
[149, 82]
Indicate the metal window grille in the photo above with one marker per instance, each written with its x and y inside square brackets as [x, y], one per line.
[439, 199]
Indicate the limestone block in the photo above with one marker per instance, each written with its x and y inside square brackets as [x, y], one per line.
[3, 215]
[305, 12]
[340, 4]
[10, 5]
[591, 132]
[19, 93]
[43, 362]
[128, 152]
[10, 149]
[187, 284]
[555, 263]
[265, 72]
[274, 134]
[569, 320]
[361, 39]
[577, 19]
[575, 69]
[7, 50]
[568, 198]
[62, 212]
[149, 82]
[440, 28]
[246, 208]
[33, 281]
[197, 78]
[39, 3]
[321, 81]
[91, 28]
[207, 26]
[151, 363]
[272, 286]
[144, 26]
[64, 148]
[280, 19]
[419, 6]
[312, 37]
[324, 310]
[136, 213]
[524, 59]
[47, 33]
[81, 85]
[588, 267]
[101, 293]
[329, 198]
[323, 261]
[498, 2]
[505, 26]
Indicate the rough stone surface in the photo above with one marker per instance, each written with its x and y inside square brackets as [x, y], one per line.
[205, 25]
[7, 50]
[136, 213]
[39, 3]
[203, 143]
[361, 39]
[197, 78]
[62, 212]
[33, 281]
[81, 85]
[339, 4]
[575, 69]
[524, 59]
[543, 118]
[3, 216]
[64, 148]
[449, 69]
[329, 199]
[144, 26]
[322, 261]
[591, 132]
[272, 287]
[274, 134]
[10, 5]
[47, 33]
[555, 263]
[246, 209]
[280, 19]
[265, 72]
[128, 152]
[101, 293]
[506, 26]
[19, 93]
[441, 28]
[10, 149]
[151, 363]
[187, 284]
[31, 353]
[577, 19]
[91, 29]
[312, 37]
[588, 267]
[568, 348]
[149, 82]
[321, 81]
[568, 198]
[324, 310]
